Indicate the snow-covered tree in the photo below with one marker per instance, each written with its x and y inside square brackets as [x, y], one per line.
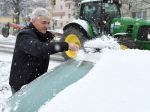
[23, 8]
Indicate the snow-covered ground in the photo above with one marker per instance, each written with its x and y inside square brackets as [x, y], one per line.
[119, 82]
[10, 39]
[5, 64]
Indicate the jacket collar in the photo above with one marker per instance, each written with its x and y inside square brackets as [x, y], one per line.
[31, 26]
[43, 36]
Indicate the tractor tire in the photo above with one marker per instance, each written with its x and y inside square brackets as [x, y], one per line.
[127, 43]
[5, 32]
[74, 35]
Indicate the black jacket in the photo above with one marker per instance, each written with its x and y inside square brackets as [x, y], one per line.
[31, 55]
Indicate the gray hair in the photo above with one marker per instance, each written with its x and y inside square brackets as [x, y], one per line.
[40, 12]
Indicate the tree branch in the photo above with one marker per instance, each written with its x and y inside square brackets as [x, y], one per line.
[146, 2]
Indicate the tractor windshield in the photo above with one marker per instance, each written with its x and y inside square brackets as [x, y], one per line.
[92, 10]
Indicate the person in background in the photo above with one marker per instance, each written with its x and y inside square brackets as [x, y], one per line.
[33, 49]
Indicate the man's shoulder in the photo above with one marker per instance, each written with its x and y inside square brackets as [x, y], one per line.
[26, 32]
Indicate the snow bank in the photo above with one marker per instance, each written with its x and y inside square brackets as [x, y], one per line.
[102, 42]
[118, 83]
[10, 39]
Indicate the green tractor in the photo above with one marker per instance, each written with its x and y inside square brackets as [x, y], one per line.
[99, 17]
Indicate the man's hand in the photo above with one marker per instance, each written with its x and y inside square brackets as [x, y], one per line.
[73, 47]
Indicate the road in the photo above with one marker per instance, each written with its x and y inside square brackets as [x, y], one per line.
[8, 47]
[6, 53]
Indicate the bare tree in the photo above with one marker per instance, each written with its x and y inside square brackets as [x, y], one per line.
[14, 9]
[18, 8]
[146, 1]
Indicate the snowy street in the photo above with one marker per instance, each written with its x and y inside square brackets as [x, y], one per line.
[6, 53]
[119, 80]
[6, 50]
[5, 63]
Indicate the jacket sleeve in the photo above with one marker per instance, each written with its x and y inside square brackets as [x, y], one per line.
[33, 46]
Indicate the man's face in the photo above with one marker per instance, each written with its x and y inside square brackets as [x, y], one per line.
[41, 23]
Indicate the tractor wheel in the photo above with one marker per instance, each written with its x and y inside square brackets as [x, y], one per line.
[74, 35]
[5, 32]
[127, 43]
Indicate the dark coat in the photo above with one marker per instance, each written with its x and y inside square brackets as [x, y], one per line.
[31, 55]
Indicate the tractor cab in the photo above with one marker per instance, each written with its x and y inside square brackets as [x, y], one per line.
[99, 13]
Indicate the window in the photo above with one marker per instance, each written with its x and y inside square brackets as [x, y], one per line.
[90, 10]
[61, 7]
[55, 23]
[69, 15]
[139, 15]
[93, 10]
[61, 24]
[67, 22]
[69, 6]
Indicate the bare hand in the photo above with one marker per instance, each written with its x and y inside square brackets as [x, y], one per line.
[73, 47]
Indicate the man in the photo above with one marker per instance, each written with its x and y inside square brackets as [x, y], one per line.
[32, 50]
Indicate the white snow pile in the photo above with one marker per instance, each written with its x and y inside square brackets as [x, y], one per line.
[10, 39]
[95, 46]
[119, 82]
[102, 42]
[5, 92]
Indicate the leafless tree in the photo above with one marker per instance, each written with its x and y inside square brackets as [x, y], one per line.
[22, 8]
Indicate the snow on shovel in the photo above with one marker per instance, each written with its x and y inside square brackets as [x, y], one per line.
[101, 42]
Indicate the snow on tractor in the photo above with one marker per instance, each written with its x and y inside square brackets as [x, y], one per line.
[6, 28]
[98, 17]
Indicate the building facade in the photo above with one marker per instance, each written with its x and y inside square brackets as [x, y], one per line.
[136, 9]
[62, 13]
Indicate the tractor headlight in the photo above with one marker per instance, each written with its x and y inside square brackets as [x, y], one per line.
[148, 36]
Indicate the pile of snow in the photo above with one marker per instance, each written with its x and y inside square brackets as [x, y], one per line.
[96, 46]
[101, 43]
[10, 39]
[119, 82]
[5, 64]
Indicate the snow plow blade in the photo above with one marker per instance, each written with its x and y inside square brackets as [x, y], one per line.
[43, 89]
